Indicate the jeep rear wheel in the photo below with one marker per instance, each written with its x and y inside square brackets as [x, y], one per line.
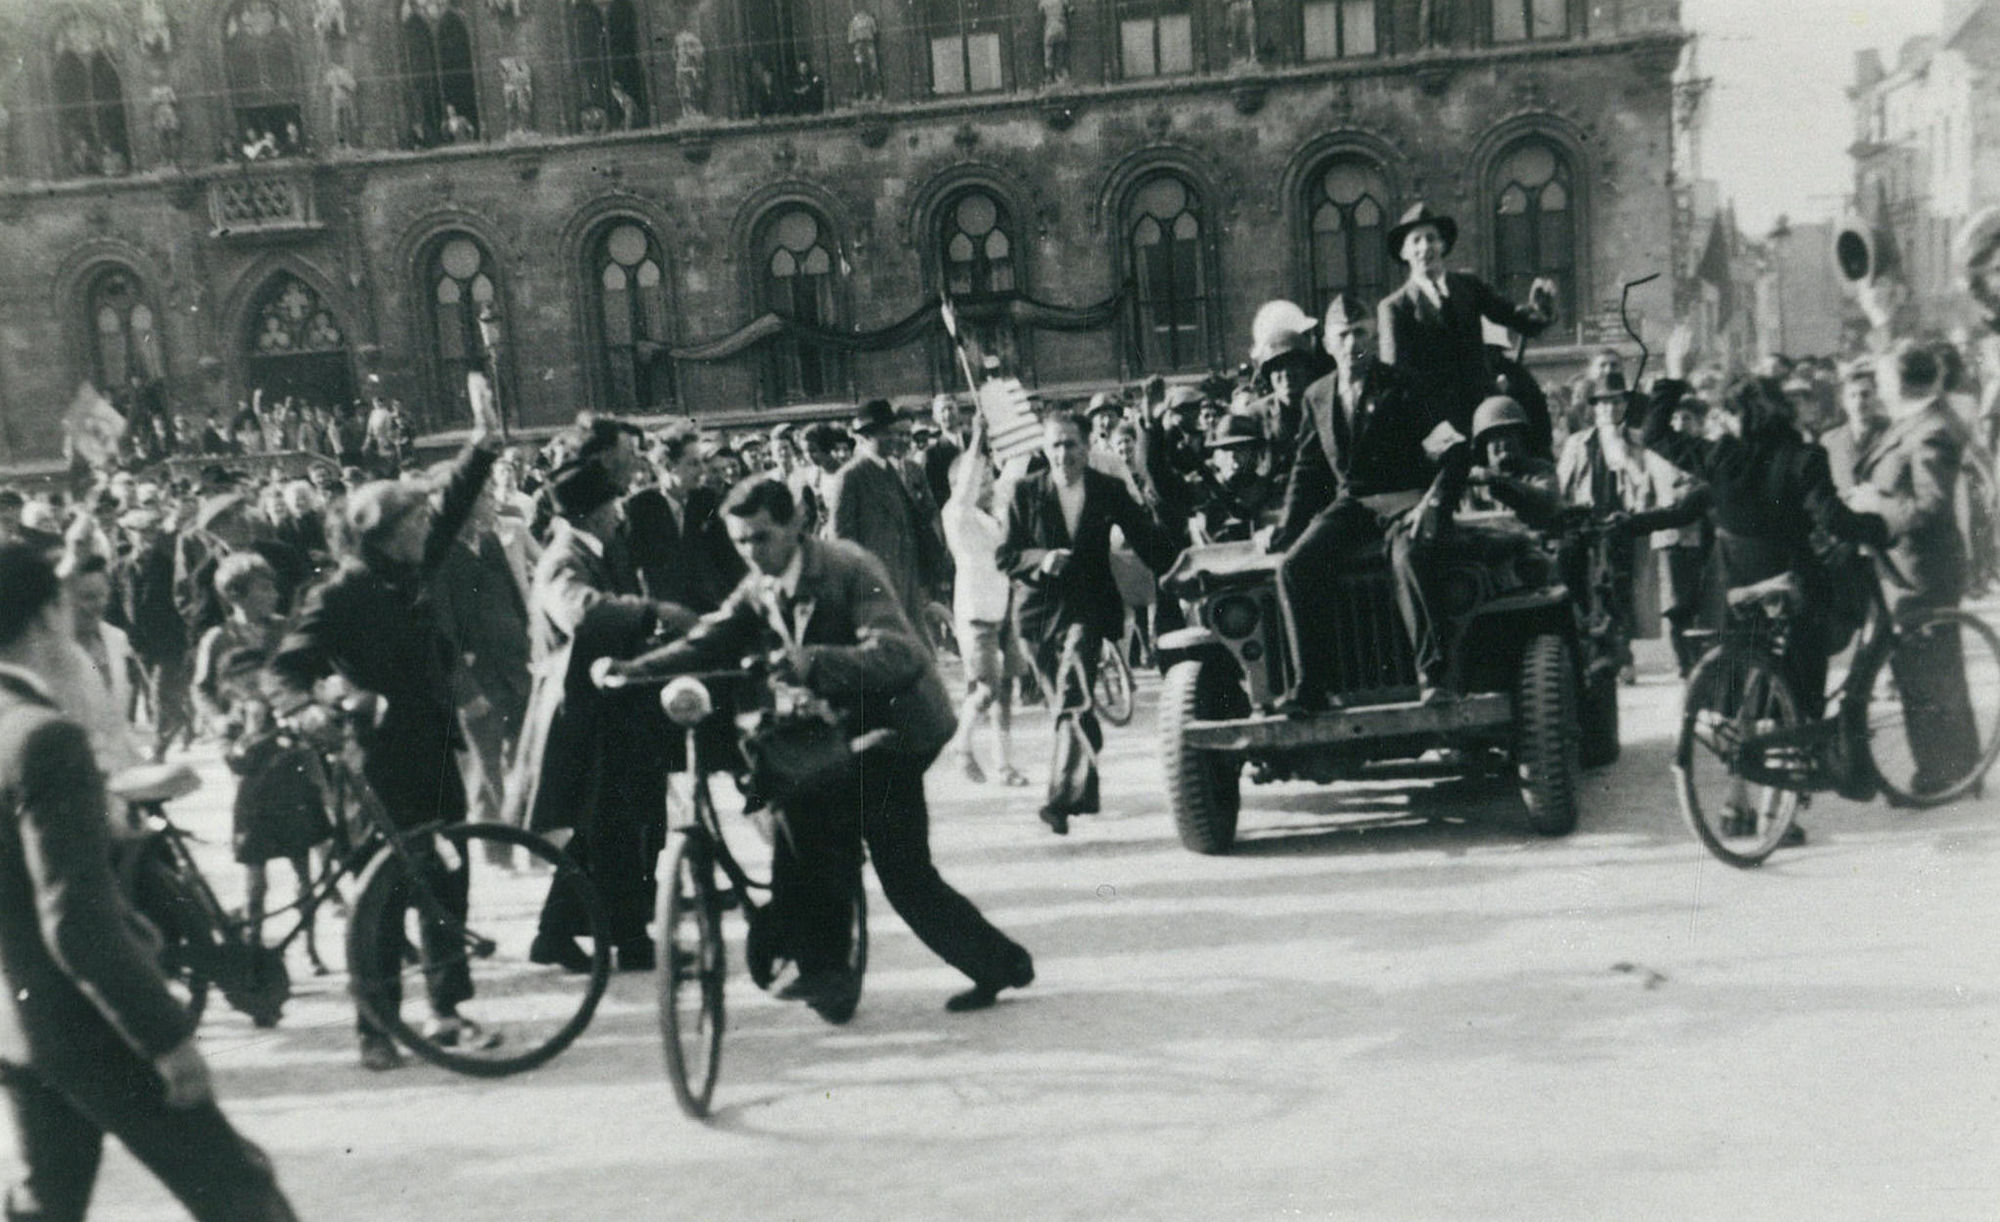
[1545, 734]
[1203, 787]
[1598, 715]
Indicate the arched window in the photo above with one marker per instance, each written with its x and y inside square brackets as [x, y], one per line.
[1155, 38]
[125, 344]
[611, 75]
[264, 94]
[976, 259]
[293, 347]
[967, 42]
[1534, 222]
[444, 97]
[630, 285]
[458, 283]
[1163, 245]
[799, 266]
[1347, 211]
[1530, 20]
[90, 102]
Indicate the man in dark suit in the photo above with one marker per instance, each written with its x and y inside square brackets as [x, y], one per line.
[824, 609]
[375, 624]
[869, 503]
[1360, 465]
[143, 605]
[91, 1042]
[581, 766]
[1430, 327]
[1909, 477]
[1058, 548]
[671, 530]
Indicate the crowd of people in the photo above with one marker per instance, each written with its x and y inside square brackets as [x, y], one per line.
[373, 435]
[485, 604]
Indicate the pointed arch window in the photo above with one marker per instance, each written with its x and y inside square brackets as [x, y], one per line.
[630, 284]
[1163, 244]
[800, 267]
[90, 102]
[444, 94]
[1534, 221]
[1347, 206]
[610, 68]
[264, 93]
[125, 342]
[459, 281]
[976, 249]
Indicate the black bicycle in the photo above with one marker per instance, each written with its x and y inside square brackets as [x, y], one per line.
[699, 880]
[401, 931]
[1747, 758]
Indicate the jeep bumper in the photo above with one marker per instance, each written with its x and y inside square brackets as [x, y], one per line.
[1268, 732]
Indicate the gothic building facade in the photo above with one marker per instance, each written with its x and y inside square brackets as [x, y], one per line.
[594, 198]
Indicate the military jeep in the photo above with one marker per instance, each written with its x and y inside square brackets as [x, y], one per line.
[1514, 641]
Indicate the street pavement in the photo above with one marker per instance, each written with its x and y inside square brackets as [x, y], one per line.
[1385, 1004]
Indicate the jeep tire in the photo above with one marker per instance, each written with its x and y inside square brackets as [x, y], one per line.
[1598, 715]
[1546, 753]
[1202, 786]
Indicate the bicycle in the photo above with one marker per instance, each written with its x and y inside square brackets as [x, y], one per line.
[1746, 759]
[1114, 688]
[699, 879]
[398, 923]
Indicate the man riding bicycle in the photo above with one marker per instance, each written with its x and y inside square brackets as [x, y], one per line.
[824, 615]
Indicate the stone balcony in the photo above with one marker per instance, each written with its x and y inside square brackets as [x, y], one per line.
[262, 202]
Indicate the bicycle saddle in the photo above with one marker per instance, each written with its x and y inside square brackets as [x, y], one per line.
[1780, 595]
[153, 783]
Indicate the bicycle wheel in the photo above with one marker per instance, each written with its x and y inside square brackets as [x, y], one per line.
[1907, 705]
[410, 954]
[1114, 685]
[1733, 696]
[692, 967]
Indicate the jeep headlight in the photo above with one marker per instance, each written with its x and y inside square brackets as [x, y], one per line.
[1234, 617]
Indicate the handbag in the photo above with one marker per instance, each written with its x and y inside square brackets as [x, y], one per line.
[797, 747]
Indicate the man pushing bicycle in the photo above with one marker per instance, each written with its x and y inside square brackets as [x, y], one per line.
[824, 615]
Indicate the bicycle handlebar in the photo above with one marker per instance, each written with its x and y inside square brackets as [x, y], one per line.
[602, 678]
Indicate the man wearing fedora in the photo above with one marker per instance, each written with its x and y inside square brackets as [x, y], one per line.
[584, 764]
[1430, 327]
[1240, 496]
[869, 503]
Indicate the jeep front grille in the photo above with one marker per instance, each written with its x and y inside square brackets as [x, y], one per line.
[1371, 649]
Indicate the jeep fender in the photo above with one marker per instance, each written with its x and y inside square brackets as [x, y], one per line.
[1183, 644]
[1490, 640]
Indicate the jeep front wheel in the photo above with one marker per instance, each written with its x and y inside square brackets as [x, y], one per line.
[1546, 734]
[1202, 786]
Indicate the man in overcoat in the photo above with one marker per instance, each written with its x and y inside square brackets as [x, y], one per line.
[869, 503]
[585, 764]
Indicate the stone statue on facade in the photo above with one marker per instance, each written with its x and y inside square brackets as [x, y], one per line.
[1242, 15]
[517, 92]
[690, 73]
[1433, 23]
[863, 37]
[340, 104]
[155, 35]
[626, 106]
[505, 8]
[1055, 40]
[165, 107]
[329, 18]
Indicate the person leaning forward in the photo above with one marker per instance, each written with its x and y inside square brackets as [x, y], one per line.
[1430, 327]
[91, 1041]
[827, 608]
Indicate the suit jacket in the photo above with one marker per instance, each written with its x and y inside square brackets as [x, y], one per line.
[1915, 462]
[483, 612]
[583, 596]
[80, 986]
[143, 603]
[685, 558]
[937, 468]
[1442, 353]
[862, 654]
[380, 631]
[1355, 450]
[869, 505]
[1085, 591]
[1844, 451]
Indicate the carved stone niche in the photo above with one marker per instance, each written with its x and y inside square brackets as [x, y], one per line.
[1060, 116]
[697, 151]
[1249, 98]
[873, 133]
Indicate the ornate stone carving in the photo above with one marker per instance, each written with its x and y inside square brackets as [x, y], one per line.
[341, 106]
[517, 92]
[1055, 40]
[164, 105]
[329, 18]
[1242, 16]
[156, 34]
[862, 39]
[691, 74]
[261, 203]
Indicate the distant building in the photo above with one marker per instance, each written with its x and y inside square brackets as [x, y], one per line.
[1927, 149]
[597, 197]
